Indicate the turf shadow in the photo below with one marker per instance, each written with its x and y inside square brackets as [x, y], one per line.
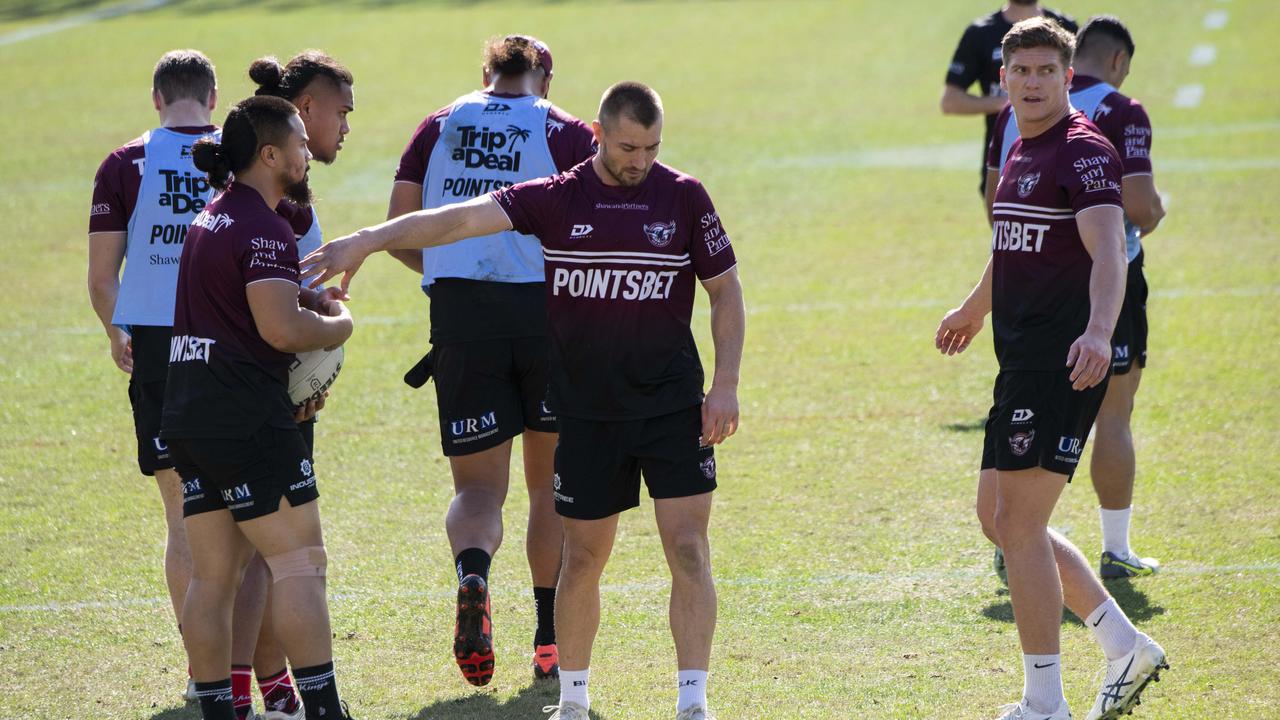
[967, 427]
[1131, 600]
[527, 703]
[182, 712]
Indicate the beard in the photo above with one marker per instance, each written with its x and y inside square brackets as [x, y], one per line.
[619, 176]
[299, 193]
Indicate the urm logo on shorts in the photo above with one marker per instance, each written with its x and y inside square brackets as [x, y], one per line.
[236, 494]
[1070, 445]
[471, 426]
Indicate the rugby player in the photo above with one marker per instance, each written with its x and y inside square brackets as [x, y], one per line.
[248, 481]
[1104, 51]
[977, 59]
[1054, 285]
[488, 330]
[145, 195]
[624, 238]
[321, 88]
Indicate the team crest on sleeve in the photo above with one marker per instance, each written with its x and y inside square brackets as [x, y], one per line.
[1027, 183]
[660, 233]
[1020, 443]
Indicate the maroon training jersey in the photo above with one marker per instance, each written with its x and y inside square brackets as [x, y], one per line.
[115, 187]
[569, 139]
[224, 379]
[1040, 279]
[620, 268]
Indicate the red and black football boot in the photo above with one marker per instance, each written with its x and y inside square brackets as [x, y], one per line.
[473, 633]
[546, 662]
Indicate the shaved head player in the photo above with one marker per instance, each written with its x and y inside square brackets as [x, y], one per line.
[624, 238]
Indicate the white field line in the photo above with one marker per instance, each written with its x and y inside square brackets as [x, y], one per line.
[824, 581]
[1188, 96]
[1215, 20]
[67, 23]
[1202, 55]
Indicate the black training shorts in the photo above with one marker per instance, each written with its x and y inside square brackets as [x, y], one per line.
[146, 394]
[1129, 343]
[247, 476]
[1038, 420]
[599, 463]
[489, 391]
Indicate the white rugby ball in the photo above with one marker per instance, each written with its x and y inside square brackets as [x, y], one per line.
[312, 373]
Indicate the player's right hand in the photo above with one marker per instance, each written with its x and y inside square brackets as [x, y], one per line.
[121, 349]
[956, 331]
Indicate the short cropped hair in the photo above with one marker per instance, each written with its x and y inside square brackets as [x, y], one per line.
[636, 101]
[1102, 31]
[184, 75]
[511, 56]
[1039, 32]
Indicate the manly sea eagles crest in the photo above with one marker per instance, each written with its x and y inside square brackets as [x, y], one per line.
[1020, 443]
[1027, 183]
[660, 233]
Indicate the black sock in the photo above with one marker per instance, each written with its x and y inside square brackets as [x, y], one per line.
[544, 603]
[215, 700]
[473, 561]
[319, 691]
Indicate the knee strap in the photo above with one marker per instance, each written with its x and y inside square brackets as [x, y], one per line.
[304, 562]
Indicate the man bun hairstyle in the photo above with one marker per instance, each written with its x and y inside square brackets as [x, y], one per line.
[511, 56]
[1040, 32]
[184, 75]
[1104, 32]
[251, 124]
[288, 81]
[635, 101]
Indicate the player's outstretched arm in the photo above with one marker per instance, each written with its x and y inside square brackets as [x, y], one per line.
[106, 255]
[728, 333]
[1102, 232]
[960, 325]
[422, 229]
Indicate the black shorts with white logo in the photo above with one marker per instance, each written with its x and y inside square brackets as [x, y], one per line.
[247, 476]
[599, 463]
[1038, 420]
[1129, 343]
[146, 394]
[489, 391]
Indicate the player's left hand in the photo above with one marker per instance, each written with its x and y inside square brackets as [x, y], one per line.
[308, 410]
[1089, 359]
[719, 415]
[956, 331]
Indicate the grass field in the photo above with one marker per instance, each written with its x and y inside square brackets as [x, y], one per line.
[853, 579]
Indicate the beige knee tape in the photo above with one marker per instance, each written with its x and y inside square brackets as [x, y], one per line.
[303, 562]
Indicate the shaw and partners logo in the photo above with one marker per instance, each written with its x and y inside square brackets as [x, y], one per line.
[184, 348]
[213, 223]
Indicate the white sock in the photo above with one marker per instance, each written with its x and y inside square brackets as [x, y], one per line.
[692, 685]
[1042, 682]
[1115, 531]
[1112, 629]
[573, 687]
